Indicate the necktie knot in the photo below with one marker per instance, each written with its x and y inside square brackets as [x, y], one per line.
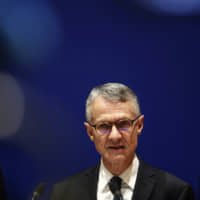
[115, 186]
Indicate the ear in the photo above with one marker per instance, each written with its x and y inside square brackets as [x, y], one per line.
[89, 131]
[140, 124]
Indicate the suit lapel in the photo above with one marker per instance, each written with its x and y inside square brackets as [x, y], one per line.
[92, 177]
[143, 187]
[144, 183]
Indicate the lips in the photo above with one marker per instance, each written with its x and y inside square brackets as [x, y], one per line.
[116, 147]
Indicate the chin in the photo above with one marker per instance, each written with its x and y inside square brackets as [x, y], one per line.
[117, 159]
[117, 165]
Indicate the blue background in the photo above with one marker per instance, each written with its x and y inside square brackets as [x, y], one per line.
[95, 42]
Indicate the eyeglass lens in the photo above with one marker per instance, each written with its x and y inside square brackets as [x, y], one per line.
[122, 126]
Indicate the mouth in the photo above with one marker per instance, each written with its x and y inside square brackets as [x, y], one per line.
[116, 147]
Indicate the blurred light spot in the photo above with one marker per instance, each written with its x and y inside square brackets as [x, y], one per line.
[33, 31]
[11, 105]
[177, 7]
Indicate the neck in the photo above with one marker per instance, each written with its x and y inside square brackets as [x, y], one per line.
[116, 167]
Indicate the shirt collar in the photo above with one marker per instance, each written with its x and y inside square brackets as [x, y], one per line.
[128, 176]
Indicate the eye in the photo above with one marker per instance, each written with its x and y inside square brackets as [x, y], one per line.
[124, 124]
[104, 128]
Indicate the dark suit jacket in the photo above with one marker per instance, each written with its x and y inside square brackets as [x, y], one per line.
[2, 188]
[151, 184]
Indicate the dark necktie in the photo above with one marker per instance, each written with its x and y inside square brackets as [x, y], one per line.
[115, 187]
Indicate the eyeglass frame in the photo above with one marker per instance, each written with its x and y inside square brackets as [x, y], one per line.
[132, 121]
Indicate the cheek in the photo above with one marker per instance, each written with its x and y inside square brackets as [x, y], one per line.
[131, 140]
[100, 143]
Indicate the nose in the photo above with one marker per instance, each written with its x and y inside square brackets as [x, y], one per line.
[114, 134]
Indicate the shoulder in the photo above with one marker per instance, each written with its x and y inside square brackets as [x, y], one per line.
[165, 183]
[80, 182]
[167, 178]
[81, 176]
[159, 174]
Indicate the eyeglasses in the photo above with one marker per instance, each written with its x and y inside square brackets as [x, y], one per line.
[123, 126]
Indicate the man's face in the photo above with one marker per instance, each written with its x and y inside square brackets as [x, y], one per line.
[117, 149]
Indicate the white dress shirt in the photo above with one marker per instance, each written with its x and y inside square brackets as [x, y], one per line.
[128, 181]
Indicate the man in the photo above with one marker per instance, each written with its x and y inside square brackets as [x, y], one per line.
[114, 123]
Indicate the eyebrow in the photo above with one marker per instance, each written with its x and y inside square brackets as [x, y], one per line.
[103, 121]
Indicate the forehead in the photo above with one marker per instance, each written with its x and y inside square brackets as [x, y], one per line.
[105, 110]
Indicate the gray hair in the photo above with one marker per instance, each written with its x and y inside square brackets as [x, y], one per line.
[114, 92]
